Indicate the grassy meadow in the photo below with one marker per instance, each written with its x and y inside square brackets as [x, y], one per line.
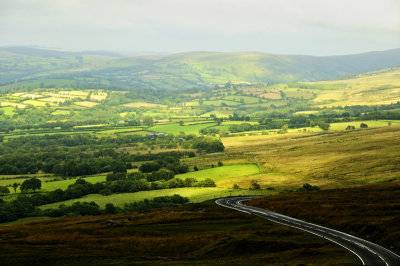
[49, 183]
[225, 176]
[176, 128]
[329, 160]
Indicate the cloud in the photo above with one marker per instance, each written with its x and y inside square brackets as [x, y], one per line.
[182, 20]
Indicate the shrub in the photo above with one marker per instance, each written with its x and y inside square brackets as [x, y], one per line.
[110, 208]
[254, 185]
[105, 192]
[149, 167]
[31, 184]
[115, 176]
[308, 187]
[4, 191]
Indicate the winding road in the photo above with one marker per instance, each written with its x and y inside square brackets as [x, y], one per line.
[368, 252]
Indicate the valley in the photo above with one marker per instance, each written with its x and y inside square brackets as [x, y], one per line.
[76, 153]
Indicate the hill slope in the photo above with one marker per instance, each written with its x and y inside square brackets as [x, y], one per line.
[185, 69]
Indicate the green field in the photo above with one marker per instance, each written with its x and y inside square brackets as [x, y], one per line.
[8, 110]
[61, 112]
[343, 125]
[231, 173]
[63, 184]
[244, 99]
[120, 130]
[195, 194]
[48, 185]
[176, 129]
[37, 103]
[218, 113]
[221, 103]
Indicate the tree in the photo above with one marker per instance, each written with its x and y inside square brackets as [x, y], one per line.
[208, 182]
[31, 184]
[284, 128]
[363, 125]
[324, 126]
[161, 174]
[220, 164]
[308, 187]
[181, 123]
[235, 186]
[15, 186]
[110, 208]
[254, 185]
[115, 176]
[119, 167]
[4, 191]
[148, 121]
[349, 127]
[149, 167]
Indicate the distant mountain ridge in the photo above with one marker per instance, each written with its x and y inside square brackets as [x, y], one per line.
[182, 70]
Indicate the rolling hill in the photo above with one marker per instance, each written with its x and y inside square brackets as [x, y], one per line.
[184, 69]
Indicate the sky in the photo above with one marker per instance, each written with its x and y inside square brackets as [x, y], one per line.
[313, 27]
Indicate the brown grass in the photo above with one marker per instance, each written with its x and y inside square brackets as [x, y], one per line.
[333, 159]
[191, 234]
[371, 212]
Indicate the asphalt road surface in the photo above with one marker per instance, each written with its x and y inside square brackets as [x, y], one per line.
[368, 252]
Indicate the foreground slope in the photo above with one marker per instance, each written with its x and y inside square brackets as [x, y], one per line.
[195, 234]
[205, 233]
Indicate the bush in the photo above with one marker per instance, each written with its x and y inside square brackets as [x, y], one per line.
[254, 185]
[136, 176]
[175, 183]
[105, 192]
[178, 168]
[149, 167]
[158, 185]
[110, 208]
[188, 182]
[115, 176]
[31, 185]
[157, 202]
[161, 174]
[308, 187]
[4, 190]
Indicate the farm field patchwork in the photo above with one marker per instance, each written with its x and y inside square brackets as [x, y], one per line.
[86, 104]
[176, 128]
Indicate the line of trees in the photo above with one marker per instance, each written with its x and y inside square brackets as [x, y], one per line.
[23, 207]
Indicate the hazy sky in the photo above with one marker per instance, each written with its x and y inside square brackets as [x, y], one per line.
[318, 27]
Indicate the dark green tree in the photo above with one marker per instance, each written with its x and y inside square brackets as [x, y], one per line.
[4, 191]
[31, 185]
[110, 208]
[15, 186]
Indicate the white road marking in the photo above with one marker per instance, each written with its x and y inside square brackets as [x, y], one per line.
[326, 233]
